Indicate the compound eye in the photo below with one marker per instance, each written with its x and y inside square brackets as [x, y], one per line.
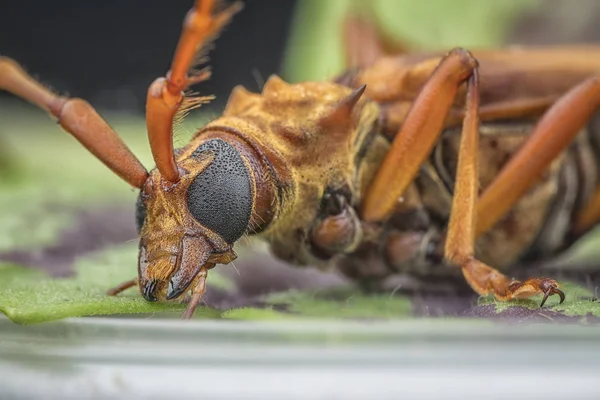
[220, 197]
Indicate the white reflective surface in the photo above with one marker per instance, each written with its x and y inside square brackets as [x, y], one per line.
[431, 359]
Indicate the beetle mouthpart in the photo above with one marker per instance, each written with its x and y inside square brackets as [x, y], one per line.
[172, 292]
[195, 251]
[148, 290]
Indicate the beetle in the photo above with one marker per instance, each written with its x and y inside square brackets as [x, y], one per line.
[463, 162]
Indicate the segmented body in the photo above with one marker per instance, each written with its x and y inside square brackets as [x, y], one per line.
[323, 173]
[537, 228]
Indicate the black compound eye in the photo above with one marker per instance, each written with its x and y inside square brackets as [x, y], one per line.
[220, 197]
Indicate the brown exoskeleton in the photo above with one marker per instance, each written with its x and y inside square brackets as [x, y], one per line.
[393, 167]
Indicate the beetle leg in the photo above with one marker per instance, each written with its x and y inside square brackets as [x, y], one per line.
[418, 135]
[197, 292]
[338, 232]
[552, 134]
[460, 239]
[166, 96]
[122, 287]
[77, 117]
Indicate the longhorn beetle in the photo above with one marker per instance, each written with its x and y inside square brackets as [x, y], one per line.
[464, 161]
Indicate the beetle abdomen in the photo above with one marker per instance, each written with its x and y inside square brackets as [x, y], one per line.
[537, 227]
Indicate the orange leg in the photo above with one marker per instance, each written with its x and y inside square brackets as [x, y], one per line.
[552, 134]
[197, 292]
[79, 118]
[166, 95]
[122, 287]
[411, 147]
[460, 239]
[419, 134]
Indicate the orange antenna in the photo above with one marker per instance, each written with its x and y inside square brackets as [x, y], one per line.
[79, 118]
[166, 95]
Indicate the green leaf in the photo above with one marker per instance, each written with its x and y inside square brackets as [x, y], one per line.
[332, 304]
[28, 296]
[343, 303]
[579, 301]
[262, 314]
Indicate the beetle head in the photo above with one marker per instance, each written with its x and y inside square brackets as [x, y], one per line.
[193, 223]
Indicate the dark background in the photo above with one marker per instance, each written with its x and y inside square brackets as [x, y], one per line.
[109, 51]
